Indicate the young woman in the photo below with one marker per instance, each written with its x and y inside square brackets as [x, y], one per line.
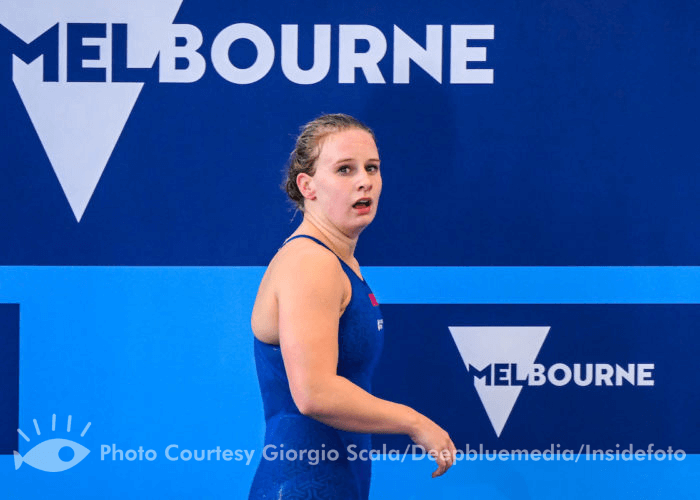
[319, 333]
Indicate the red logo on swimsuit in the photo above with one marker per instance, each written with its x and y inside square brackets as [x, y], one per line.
[373, 300]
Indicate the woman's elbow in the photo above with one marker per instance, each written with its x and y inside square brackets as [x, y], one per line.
[308, 408]
[309, 401]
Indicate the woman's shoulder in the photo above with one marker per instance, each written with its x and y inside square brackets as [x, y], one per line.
[303, 257]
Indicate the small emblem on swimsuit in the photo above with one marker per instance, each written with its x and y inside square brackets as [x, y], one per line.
[380, 324]
[373, 300]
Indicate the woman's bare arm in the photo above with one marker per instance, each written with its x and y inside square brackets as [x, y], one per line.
[310, 290]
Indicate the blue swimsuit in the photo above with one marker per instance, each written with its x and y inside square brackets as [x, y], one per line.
[335, 464]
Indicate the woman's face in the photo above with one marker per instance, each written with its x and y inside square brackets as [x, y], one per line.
[347, 182]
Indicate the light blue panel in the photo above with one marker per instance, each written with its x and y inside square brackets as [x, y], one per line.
[535, 285]
[151, 357]
[160, 356]
[522, 480]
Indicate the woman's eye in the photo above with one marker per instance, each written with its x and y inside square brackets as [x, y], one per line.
[344, 170]
[372, 168]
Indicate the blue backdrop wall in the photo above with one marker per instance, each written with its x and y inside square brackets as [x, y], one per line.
[535, 252]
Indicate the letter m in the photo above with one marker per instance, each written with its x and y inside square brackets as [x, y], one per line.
[45, 45]
[479, 374]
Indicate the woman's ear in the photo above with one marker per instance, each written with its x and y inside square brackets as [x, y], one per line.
[305, 183]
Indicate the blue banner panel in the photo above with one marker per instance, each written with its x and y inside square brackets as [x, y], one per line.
[549, 377]
[9, 377]
[511, 133]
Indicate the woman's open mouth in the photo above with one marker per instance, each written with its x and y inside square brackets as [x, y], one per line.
[363, 205]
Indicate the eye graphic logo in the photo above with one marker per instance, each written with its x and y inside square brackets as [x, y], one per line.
[53, 455]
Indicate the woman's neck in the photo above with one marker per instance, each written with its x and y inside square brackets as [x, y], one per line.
[342, 244]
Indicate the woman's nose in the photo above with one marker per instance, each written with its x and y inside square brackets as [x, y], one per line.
[365, 181]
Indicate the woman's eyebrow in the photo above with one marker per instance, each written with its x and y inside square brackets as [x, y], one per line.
[345, 160]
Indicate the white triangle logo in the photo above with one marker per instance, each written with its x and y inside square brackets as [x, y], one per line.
[482, 346]
[79, 123]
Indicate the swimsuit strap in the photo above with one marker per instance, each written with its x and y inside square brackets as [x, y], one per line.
[311, 238]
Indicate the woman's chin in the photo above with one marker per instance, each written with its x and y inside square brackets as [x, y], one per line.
[360, 224]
